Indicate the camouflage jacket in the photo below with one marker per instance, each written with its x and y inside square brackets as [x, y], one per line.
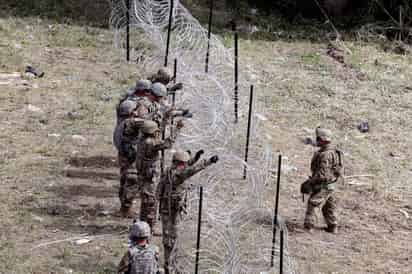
[140, 260]
[326, 167]
[171, 190]
[131, 125]
[148, 148]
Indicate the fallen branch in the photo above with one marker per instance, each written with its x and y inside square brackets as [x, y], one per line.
[76, 238]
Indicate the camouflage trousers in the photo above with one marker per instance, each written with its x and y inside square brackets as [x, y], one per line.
[148, 203]
[327, 201]
[169, 235]
[128, 179]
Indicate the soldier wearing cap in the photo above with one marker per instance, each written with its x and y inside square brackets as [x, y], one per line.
[141, 257]
[148, 146]
[164, 76]
[171, 191]
[138, 94]
[327, 170]
[164, 112]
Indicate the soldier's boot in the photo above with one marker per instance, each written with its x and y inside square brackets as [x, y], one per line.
[332, 229]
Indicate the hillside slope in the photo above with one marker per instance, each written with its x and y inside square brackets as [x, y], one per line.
[58, 164]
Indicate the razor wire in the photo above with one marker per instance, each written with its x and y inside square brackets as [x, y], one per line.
[238, 222]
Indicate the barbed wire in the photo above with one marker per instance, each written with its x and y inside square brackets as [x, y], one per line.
[238, 224]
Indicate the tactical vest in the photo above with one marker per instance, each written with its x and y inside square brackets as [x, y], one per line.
[143, 260]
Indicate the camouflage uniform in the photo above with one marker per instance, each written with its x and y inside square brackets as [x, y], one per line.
[142, 257]
[125, 136]
[148, 147]
[326, 167]
[171, 193]
[164, 77]
[140, 260]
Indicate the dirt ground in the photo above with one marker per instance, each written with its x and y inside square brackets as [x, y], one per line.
[58, 170]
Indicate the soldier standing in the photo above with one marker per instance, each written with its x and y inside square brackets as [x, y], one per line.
[171, 191]
[148, 146]
[327, 170]
[164, 76]
[142, 257]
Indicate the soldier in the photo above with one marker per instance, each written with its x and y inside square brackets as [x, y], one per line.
[164, 76]
[327, 170]
[171, 191]
[138, 93]
[164, 112]
[142, 257]
[148, 146]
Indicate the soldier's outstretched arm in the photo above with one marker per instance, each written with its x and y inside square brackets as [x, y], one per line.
[194, 160]
[192, 170]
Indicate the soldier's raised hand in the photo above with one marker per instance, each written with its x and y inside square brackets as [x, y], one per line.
[199, 154]
[214, 159]
[180, 124]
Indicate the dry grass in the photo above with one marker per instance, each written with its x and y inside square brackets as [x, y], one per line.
[299, 83]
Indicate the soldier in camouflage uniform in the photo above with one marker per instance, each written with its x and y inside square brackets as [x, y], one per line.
[138, 94]
[327, 170]
[131, 113]
[148, 146]
[164, 76]
[142, 257]
[164, 112]
[171, 191]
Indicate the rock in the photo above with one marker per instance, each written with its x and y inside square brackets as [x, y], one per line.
[261, 117]
[73, 115]
[34, 109]
[79, 139]
[37, 218]
[53, 135]
[82, 241]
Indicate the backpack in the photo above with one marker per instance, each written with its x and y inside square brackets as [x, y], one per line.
[143, 260]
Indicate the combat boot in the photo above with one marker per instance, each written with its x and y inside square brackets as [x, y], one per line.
[332, 229]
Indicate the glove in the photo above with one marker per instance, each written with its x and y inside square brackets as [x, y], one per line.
[214, 159]
[306, 187]
[199, 154]
[186, 113]
[176, 87]
[180, 124]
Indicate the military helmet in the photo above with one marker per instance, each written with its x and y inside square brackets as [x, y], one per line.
[159, 90]
[126, 107]
[324, 134]
[149, 127]
[164, 75]
[139, 229]
[181, 156]
[143, 84]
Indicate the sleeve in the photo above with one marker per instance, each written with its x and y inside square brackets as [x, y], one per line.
[123, 266]
[163, 144]
[191, 170]
[324, 172]
[132, 127]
